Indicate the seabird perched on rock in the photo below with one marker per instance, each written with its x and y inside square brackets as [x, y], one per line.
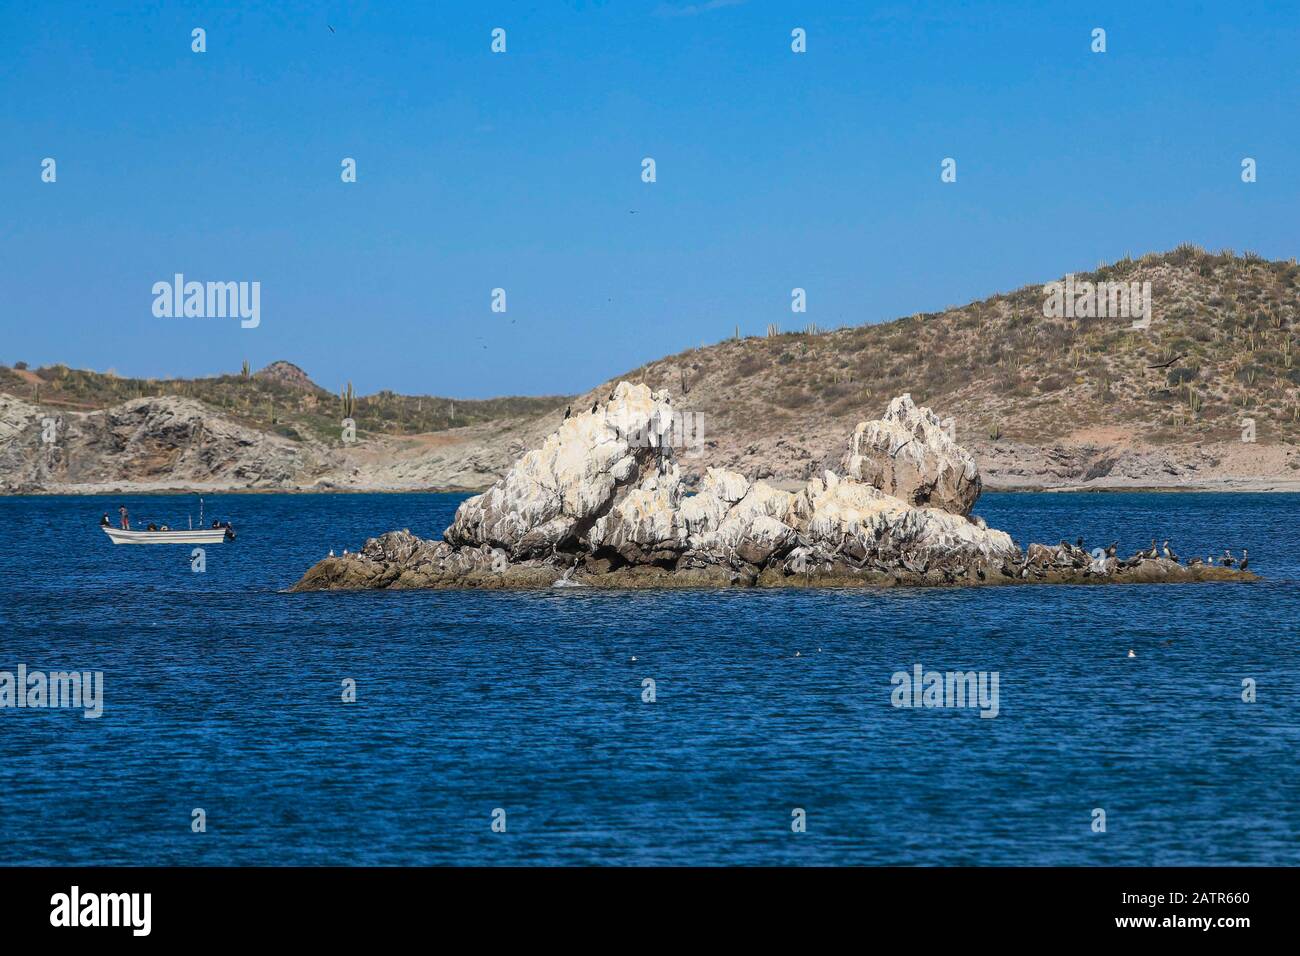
[1195, 562]
[1153, 553]
[1227, 560]
[1111, 551]
[567, 411]
[1245, 558]
[1169, 554]
[331, 552]
[1079, 544]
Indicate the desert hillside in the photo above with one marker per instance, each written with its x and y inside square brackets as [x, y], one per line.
[1041, 401]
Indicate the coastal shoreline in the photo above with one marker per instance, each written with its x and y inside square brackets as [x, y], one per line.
[1276, 487]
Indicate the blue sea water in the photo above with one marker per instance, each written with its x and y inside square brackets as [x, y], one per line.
[223, 693]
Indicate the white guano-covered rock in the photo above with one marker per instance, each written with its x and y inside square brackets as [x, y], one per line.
[553, 495]
[908, 454]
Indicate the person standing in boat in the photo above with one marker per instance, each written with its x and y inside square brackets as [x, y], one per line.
[126, 521]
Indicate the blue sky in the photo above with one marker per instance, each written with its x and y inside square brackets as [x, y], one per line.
[520, 170]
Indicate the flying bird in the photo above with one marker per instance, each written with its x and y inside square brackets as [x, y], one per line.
[1170, 362]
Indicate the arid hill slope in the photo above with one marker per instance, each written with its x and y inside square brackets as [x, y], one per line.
[1041, 402]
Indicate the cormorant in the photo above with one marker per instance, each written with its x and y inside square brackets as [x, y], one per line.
[1195, 562]
[1114, 547]
[1169, 554]
[1153, 553]
[1245, 558]
[567, 412]
[1227, 560]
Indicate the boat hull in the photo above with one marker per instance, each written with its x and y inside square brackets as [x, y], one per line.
[192, 536]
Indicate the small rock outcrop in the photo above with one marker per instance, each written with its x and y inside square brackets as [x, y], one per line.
[602, 504]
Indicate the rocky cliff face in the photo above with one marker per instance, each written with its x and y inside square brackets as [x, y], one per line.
[602, 503]
[164, 441]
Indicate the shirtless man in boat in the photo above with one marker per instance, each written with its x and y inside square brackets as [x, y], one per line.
[126, 522]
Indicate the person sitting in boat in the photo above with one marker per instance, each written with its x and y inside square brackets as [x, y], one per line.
[216, 523]
[126, 521]
[164, 528]
[104, 522]
[151, 527]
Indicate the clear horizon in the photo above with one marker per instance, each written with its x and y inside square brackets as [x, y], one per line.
[522, 170]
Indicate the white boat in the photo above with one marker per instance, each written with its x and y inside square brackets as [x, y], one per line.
[183, 536]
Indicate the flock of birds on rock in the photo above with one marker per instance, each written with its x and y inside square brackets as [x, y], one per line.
[1076, 555]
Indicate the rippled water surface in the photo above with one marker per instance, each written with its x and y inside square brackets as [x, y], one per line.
[222, 693]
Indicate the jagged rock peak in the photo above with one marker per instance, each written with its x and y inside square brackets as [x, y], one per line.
[908, 454]
[553, 495]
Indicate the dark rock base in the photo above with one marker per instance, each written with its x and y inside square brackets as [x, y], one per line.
[353, 573]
